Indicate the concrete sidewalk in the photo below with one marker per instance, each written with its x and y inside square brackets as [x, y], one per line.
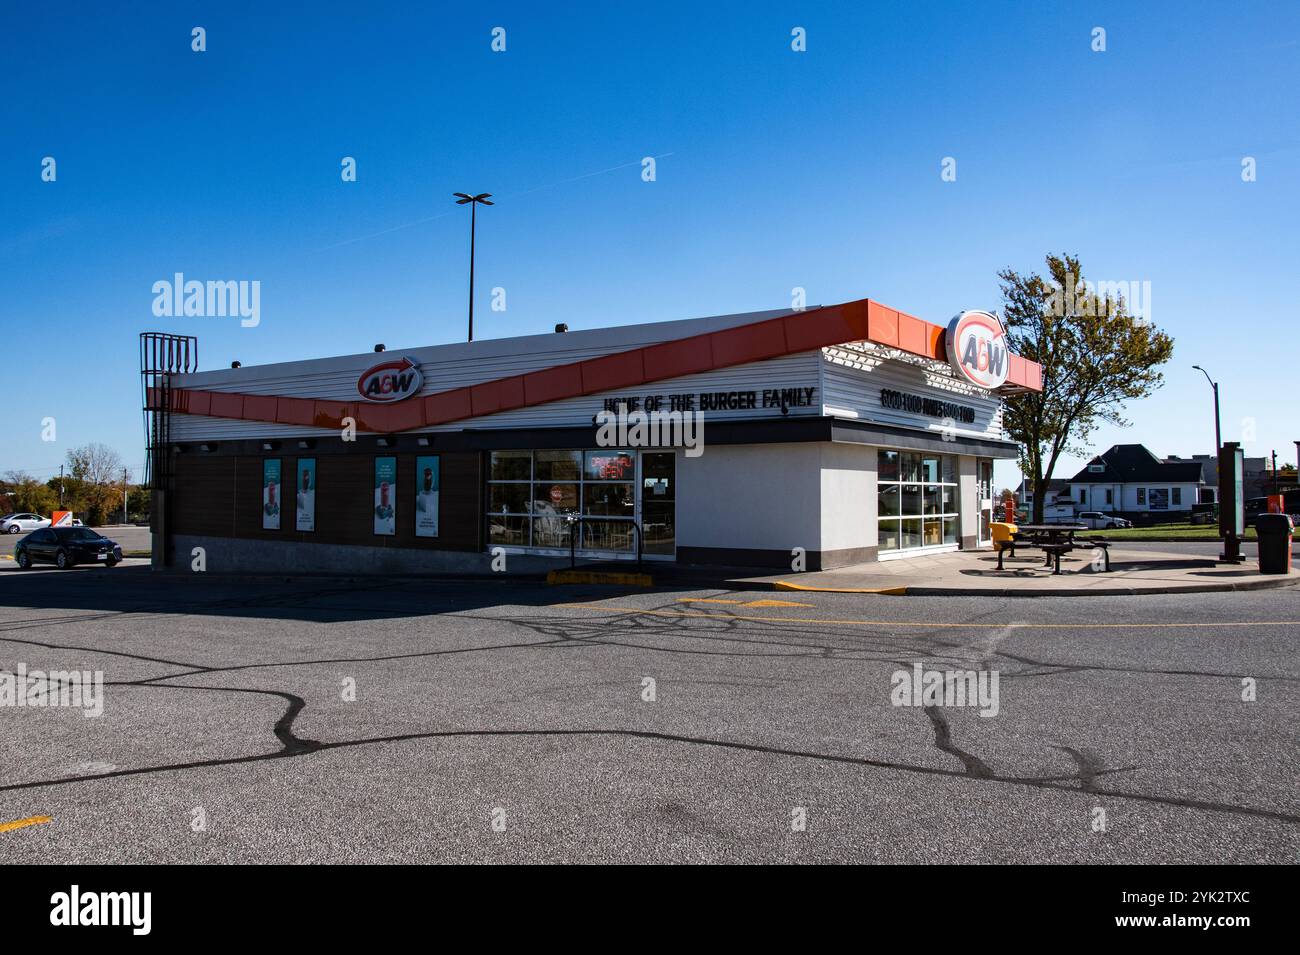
[975, 572]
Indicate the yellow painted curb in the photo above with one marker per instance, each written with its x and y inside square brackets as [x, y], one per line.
[891, 591]
[742, 603]
[598, 577]
[24, 823]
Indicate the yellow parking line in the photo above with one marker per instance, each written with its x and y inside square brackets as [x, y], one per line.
[601, 608]
[23, 823]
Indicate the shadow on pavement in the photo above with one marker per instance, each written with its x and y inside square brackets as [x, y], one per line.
[136, 589]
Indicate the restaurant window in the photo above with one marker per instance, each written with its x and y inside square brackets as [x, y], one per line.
[917, 499]
[532, 493]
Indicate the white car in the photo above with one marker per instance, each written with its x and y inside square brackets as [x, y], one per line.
[1096, 520]
[22, 523]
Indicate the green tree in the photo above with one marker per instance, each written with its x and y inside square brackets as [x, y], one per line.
[139, 501]
[1095, 357]
[29, 494]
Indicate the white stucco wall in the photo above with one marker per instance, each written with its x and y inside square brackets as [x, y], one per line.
[849, 501]
[750, 496]
[968, 487]
[819, 496]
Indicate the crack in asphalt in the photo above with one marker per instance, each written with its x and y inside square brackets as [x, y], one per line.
[560, 635]
[975, 766]
[1064, 784]
[1090, 767]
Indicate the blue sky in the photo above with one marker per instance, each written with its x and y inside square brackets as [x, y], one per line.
[777, 169]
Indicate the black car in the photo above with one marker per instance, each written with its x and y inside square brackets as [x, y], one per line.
[65, 546]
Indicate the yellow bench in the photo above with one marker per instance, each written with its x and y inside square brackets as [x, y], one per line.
[1003, 534]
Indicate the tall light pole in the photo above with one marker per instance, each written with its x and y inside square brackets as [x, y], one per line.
[483, 198]
[1218, 436]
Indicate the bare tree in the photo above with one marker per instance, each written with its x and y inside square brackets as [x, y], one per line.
[96, 475]
[96, 464]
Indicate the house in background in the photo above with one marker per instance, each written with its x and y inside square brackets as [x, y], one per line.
[1058, 505]
[1209, 464]
[1131, 481]
[1256, 477]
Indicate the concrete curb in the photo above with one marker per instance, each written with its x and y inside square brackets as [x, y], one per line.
[1173, 540]
[892, 591]
[704, 582]
[911, 591]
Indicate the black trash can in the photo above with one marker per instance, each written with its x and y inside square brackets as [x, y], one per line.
[1274, 532]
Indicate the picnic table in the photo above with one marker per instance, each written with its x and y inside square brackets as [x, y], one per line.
[1054, 540]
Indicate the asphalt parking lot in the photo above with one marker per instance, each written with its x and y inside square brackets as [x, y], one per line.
[329, 721]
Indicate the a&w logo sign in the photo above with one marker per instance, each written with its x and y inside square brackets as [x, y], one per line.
[391, 381]
[977, 348]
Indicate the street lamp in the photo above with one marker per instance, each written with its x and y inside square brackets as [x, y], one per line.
[483, 198]
[1218, 437]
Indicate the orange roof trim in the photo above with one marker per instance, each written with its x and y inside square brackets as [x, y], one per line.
[862, 320]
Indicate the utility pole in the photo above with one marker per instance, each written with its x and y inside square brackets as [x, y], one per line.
[483, 198]
[1275, 491]
[1218, 435]
[123, 495]
[60, 487]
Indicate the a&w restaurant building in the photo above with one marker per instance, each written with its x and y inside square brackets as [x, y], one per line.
[854, 432]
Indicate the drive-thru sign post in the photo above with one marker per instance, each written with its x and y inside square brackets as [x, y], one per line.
[1232, 505]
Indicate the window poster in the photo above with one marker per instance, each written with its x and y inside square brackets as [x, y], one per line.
[385, 496]
[306, 483]
[271, 494]
[426, 496]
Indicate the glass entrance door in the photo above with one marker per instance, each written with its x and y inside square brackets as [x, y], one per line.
[658, 507]
[985, 492]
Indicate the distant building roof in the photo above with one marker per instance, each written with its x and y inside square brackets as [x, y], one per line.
[1055, 487]
[1134, 464]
